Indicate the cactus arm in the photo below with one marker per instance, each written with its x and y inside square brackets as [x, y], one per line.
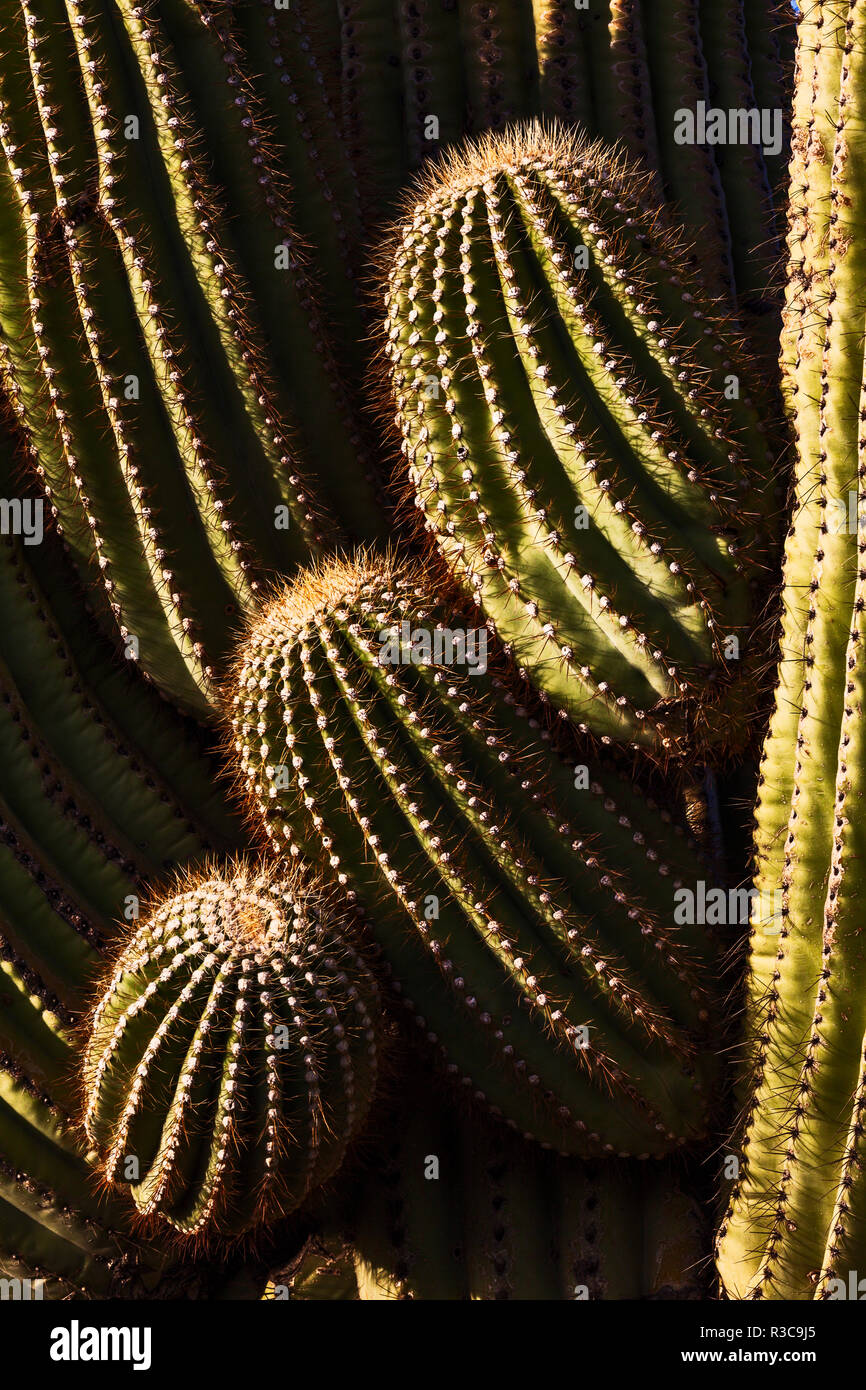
[184, 1070]
[502, 457]
[689, 172]
[565, 89]
[828, 736]
[372, 98]
[330, 721]
[809, 1041]
[500, 79]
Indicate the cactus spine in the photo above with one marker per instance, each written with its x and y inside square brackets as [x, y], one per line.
[233, 1054]
[561, 392]
[496, 891]
[794, 1228]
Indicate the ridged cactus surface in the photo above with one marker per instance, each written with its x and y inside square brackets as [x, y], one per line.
[456, 1209]
[167, 358]
[579, 433]
[795, 1227]
[506, 902]
[233, 1054]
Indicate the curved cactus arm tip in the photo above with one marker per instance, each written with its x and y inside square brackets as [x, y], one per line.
[233, 1053]
[580, 437]
[364, 742]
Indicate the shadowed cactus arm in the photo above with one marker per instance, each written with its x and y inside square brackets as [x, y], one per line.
[454, 1209]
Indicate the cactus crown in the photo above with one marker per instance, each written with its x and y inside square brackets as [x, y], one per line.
[578, 429]
[233, 1052]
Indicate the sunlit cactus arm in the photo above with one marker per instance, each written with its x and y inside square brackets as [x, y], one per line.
[545, 339]
[793, 1228]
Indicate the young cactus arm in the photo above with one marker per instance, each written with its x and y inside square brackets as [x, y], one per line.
[233, 1053]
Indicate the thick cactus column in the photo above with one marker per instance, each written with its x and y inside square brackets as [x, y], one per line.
[455, 1209]
[233, 1054]
[579, 433]
[795, 1223]
[524, 910]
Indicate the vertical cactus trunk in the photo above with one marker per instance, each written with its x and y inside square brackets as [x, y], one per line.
[795, 1223]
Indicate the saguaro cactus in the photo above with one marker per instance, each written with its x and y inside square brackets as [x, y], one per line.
[579, 434]
[502, 896]
[456, 1209]
[167, 358]
[233, 1053]
[795, 1226]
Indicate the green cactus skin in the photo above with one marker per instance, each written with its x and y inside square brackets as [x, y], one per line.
[606, 395]
[565, 90]
[794, 1224]
[234, 1052]
[426, 791]
[181, 496]
[451, 1208]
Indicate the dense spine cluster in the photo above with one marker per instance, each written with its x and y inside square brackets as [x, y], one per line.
[233, 1054]
[502, 897]
[795, 1226]
[579, 434]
